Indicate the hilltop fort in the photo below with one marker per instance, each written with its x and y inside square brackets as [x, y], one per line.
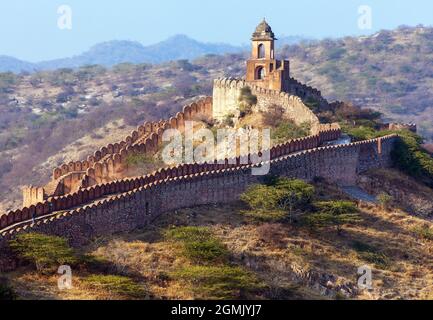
[93, 196]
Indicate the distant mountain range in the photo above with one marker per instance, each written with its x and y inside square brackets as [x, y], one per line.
[114, 52]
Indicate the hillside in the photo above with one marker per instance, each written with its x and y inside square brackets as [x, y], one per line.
[62, 115]
[391, 71]
[241, 257]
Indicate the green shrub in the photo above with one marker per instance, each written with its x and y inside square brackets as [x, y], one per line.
[247, 97]
[198, 244]
[278, 193]
[188, 234]
[287, 130]
[409, 157]
[45, 252]
[424, 232]
[261, 197]
[332, 213]
[281, 195]
[265, 215]
[6, 291]
[208, 251]
[337, 207]
[226, 282]
[361, 133]
[385, 200]
[371, 254]
[302, 191]
[116, 285]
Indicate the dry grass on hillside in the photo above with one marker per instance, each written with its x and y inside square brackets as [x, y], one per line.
[401, 259]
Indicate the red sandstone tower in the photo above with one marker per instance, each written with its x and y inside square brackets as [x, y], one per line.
[263, 69]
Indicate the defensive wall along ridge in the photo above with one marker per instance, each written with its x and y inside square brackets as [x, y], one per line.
[110, 163]
[329, 133]
[91, 198]
[101, 202]
[68, 178]
[129, 204]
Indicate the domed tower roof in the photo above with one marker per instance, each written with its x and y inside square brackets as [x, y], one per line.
[263, 32]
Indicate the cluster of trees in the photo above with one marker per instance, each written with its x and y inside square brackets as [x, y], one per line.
[210, 274]
[294, 201]
[46, 254]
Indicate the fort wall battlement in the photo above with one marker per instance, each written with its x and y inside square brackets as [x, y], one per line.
[306, 92]
[329, 132]
[115, 166]
[200, 107]
[110, 162]
[129, 204]
[107, 163]
[339, 164]
[227, 92]
[400, 126]
[91, 198]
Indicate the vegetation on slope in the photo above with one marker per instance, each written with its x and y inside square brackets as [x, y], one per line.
[293, 201]
[217, 252]
[390, 72]
[210, 275]
[44, 252]
[408, 154]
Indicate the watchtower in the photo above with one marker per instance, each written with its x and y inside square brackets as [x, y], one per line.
[262, 68]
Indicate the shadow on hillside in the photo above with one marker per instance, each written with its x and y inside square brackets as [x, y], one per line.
[381, 224]
[227, 214]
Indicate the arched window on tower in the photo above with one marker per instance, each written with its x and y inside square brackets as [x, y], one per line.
[261, 52]
[260, 73]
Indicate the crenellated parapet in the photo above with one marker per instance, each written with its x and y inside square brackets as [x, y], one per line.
[109, 162]
[307, 93]
[400, 126]
[92, 178]
[200, 107]
[227, 92]
[131, 203]
[115, 166]
[359, 157]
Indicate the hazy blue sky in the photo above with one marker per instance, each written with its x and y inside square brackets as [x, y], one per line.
[28, 29]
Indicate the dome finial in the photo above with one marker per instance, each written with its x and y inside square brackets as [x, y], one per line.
[263, 31]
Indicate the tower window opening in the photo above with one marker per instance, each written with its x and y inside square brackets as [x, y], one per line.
[261, 52]
[260, 73]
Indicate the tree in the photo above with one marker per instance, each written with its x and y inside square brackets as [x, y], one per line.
[246, 101]
[46, 252]
[333, 213]
[281, 198]
[385, 200]
[409, 157]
